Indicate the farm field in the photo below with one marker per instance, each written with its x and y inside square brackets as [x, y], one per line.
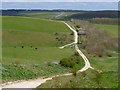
[29, 41]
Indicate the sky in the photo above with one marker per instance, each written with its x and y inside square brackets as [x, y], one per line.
[59, 0]
[61, 4]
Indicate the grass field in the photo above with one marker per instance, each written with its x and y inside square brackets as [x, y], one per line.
[31, 33]
[47, 15]
[111, 29]
[21, 35]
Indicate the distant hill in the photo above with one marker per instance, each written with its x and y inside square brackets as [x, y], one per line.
[11, 12]
[15, 12]
[79, 15]
[94, 14]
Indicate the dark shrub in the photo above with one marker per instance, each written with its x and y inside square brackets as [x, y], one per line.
[76, 54]
[56, 33]
[71, 33]
[78, 26]
[100, 55]
[36, 48]
[56, 38]
[67, 63]
[70, 61]
[74, 71]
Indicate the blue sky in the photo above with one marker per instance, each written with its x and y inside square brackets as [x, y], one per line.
[60, 0]
[61, 4]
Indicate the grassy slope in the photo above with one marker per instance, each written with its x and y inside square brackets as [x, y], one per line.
[111, 29]
[33, 24]
[109, 66]
[30, 56]
[47, 15]
[27, 32]
[18, 31]
[107, 79]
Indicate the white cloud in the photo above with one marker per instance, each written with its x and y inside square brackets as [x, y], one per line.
[60, 0]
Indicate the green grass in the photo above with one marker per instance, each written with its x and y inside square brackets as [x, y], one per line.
[33, 24]
[90, 79]
[46, 15]
[27, 63]
[40, 36]
[12, 72]
[110, 29]
[19, 31]
[28, 55]
[38, 33]
[105, 63]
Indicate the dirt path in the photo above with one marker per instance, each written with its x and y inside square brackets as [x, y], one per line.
[36, 82]
[87, 63]
[33, 83]
[60, 14]
[26, 84]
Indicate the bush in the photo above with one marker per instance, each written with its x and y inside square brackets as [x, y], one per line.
[76, 54]
[74, 70]
[70, 61]
[78, 26]
[67, 63]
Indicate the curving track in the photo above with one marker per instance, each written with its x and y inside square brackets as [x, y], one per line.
[87, 63]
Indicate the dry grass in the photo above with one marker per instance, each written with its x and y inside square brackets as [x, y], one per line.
[96, 41]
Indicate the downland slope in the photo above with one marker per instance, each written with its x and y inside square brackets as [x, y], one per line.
[41, 65]
[108, 63]
[30, 48]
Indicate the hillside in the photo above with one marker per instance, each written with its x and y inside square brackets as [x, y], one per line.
[94, 14]
[30, 50]
[31, 43]
[108, 75]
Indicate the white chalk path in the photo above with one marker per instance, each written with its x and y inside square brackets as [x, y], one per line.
[87, 63]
